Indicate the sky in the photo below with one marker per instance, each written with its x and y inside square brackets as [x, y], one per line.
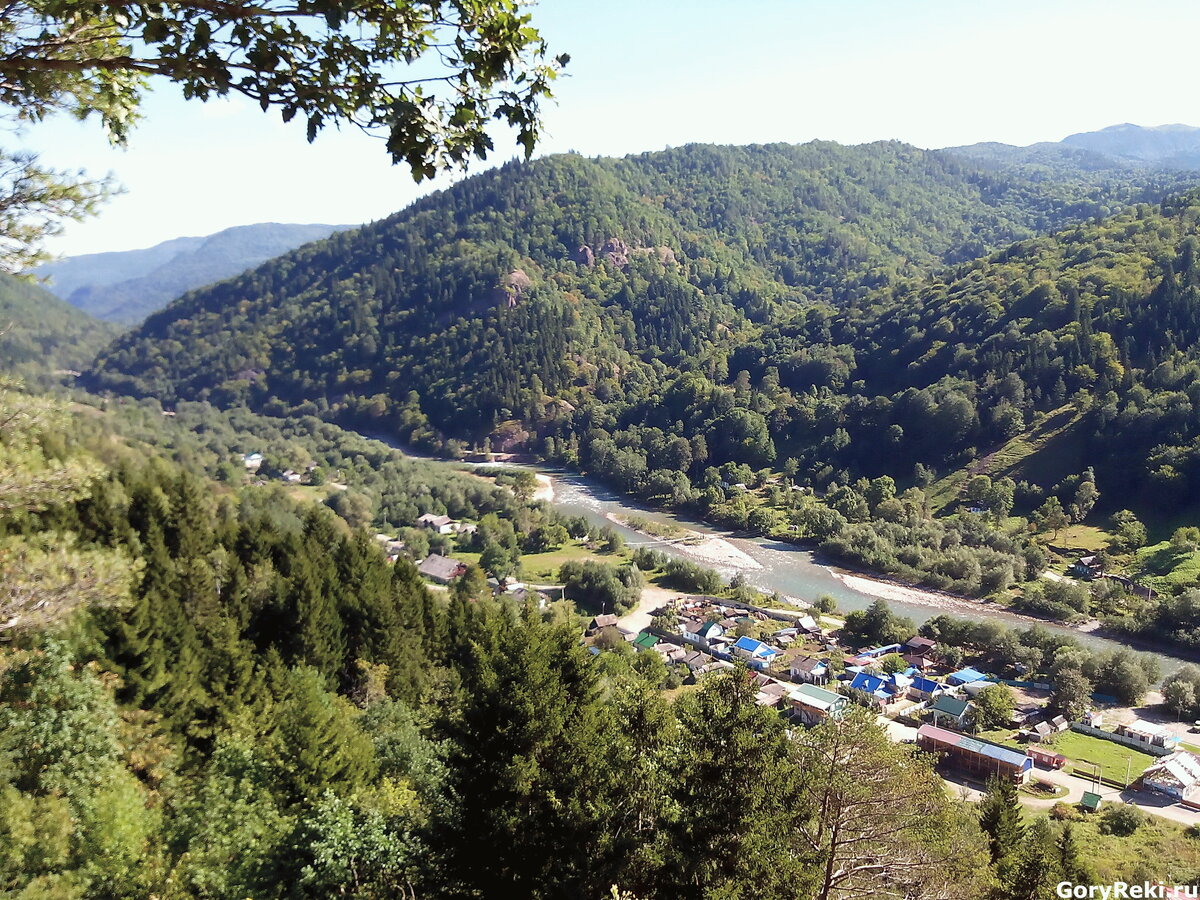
[645, 75]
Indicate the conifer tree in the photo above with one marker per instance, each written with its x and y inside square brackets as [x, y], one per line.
[528, 793]
[735, 796]
[1000, 817]
[1034, 865]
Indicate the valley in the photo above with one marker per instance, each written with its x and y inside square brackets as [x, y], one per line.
[790, 520]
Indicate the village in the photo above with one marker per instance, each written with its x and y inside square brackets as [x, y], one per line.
[800, 669]
[803, 671]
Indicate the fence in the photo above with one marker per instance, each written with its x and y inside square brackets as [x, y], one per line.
[1120, 739]
[1034, 685]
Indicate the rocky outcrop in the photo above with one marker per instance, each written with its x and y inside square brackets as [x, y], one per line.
[514, 286]
[615, 251]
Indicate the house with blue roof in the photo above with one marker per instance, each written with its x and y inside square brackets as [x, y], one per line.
[757, 654]
[965, 676]
[925, 688]
[867, 683]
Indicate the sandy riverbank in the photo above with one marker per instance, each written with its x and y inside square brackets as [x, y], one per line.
[704, 548]
[903, 593]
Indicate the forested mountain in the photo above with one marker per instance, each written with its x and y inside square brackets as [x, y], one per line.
[40, 333]
[1167, 145]
[1114, 147]
[127, 286]
[547, 292]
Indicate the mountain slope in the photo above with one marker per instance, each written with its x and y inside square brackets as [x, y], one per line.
[40, 333]
[754, 303]
[127, 286]
[1105, 316]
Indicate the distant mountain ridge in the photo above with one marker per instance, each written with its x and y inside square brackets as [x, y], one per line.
[1177, 146]
[126, 286]
[1158, 146]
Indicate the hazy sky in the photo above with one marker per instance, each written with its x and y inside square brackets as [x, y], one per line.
[647, 74]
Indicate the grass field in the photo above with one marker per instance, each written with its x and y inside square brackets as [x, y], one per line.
[1038, 445]
[542, 568]
[1082, 537]
[1167, 569]
[1114, 759]
[1159, 849]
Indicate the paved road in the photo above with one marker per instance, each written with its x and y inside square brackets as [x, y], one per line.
[1147, 801]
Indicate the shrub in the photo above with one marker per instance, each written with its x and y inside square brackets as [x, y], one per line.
[1121, 819]
[1065, 812]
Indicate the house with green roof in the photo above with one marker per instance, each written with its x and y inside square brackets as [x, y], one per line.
[644, 641]
[812, 705]
[1091, 801]
[951, 710]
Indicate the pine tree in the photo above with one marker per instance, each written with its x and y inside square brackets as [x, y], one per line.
[529, 794]
[1000, 817]
[1034, 866]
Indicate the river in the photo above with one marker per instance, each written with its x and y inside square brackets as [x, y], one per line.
[778, 567]
[791, 571]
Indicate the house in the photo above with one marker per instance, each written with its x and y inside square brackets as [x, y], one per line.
[1148, 733]
[645, 641]
[974, 688]
[392, 548]
[440, 568]
[813, 705]
[925, 688]
[465, 528]
[608, 620]
[771, 694]
[952, 709]
[252, 461]
[709, 630]
[982, 759]
[696, 659]
[1090, 801]
[291, 476]
[810, 670]
[537, 598]
[921, 646]
[1176, 775]
[921, 663]
[440, 524]
[717, 665]
[1040, 732]
[878, 690]
[757, 654]
[1047, 758]
[671, 653]
[1086, 567]
[808, 625]
[965, 676]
